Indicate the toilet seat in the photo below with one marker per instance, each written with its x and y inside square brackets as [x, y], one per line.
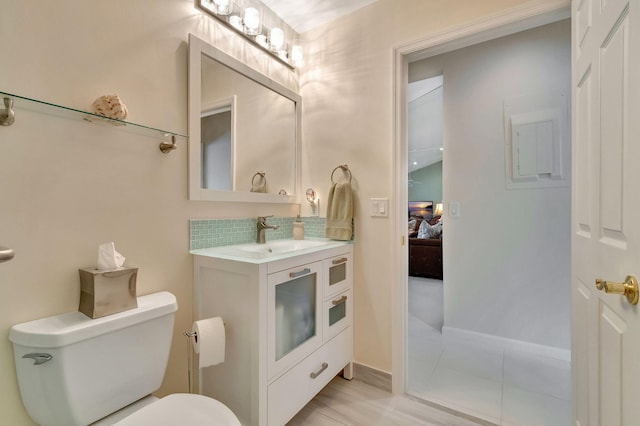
[182, 409]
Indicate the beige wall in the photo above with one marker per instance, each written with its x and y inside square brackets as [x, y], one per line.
[347, 87]
[67, 186]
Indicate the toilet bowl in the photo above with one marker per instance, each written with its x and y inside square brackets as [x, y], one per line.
[176, 409]
[74, 370]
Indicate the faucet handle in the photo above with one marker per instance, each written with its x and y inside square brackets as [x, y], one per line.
[264, 218]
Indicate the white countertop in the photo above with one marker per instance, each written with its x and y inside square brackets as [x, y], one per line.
[270, 251]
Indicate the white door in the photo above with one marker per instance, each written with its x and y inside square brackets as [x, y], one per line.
[606, 210]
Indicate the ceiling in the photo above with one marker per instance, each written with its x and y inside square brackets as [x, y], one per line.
[425, 120]
[304, 15]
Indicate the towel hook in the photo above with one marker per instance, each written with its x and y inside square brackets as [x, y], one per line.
[344, 168]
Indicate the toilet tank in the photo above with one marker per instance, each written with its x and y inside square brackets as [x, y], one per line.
[96, 366]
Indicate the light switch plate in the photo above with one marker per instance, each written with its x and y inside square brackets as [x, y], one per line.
[454, 209]
[379, 207]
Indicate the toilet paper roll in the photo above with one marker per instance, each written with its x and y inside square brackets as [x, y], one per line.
[209, 341]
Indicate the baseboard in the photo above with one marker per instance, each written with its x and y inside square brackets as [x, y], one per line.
[372, 376]
[532, 348]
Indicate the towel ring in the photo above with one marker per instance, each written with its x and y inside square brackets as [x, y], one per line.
[253, 179]
[344, 168]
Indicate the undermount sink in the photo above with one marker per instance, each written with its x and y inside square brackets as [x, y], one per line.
[268, 251]
[277, 247]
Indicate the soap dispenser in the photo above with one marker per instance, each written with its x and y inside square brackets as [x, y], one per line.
[298, 229]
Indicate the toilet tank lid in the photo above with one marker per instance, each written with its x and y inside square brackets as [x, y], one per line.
[65, 329]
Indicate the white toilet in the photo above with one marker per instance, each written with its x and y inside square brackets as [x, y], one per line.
[73, 370]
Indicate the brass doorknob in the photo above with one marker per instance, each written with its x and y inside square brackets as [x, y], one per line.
[629, 288]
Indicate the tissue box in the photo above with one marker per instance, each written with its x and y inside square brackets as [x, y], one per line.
[107, 292]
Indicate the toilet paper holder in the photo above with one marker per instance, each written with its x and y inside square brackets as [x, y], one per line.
[189, 335]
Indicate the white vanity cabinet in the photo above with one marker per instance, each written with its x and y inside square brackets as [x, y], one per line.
[288, 323]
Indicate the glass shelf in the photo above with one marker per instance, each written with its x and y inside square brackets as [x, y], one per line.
[20, 102]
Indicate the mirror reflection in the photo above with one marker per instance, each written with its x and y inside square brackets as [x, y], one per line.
[245, 124]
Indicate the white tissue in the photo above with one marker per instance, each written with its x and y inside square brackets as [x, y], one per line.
[210, 341]
[108, 257]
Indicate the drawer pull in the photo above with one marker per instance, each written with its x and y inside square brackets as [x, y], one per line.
[305, 271]
[339, 261]
[339, 301]
[315, 374]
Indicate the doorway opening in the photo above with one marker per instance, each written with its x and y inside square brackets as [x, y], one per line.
[494, 342]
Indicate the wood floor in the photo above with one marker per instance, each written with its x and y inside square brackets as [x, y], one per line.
[344, 402]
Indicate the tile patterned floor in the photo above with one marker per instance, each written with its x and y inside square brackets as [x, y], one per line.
[501, 385]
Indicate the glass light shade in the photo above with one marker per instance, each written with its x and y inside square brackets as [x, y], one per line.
[438, 210]
[236, 22]
[296, 54]
[276, 38]
[222, 7]
[261, 39]
[251, 21]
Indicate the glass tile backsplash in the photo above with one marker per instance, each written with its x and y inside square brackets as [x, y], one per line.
[223, 232]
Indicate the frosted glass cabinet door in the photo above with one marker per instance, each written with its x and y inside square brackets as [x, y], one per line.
[295, 312]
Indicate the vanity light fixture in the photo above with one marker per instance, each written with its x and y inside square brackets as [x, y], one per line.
[252, 22]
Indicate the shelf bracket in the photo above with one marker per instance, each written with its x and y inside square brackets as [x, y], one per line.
[7, 117]
[167, 147]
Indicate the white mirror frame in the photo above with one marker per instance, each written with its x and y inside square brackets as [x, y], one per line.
[197, 48]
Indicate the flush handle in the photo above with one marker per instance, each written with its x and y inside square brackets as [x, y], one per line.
[38, 358]
[628, 288]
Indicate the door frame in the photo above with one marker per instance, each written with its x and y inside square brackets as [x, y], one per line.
[510, 21]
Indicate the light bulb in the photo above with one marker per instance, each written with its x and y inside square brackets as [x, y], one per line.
[296, 54]
[251, 21]
[236, 22]
[261, 39]
[222, 7]
[276, 38]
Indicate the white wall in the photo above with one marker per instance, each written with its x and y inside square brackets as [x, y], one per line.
[507, 257]
[67, 186]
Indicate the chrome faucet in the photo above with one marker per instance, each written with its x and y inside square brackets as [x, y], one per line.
[262, 226]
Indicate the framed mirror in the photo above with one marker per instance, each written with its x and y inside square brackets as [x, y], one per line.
[244, 131]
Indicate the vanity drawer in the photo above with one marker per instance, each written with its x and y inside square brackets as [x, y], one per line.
[289, 393]
[339, 274]
[338, 314]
